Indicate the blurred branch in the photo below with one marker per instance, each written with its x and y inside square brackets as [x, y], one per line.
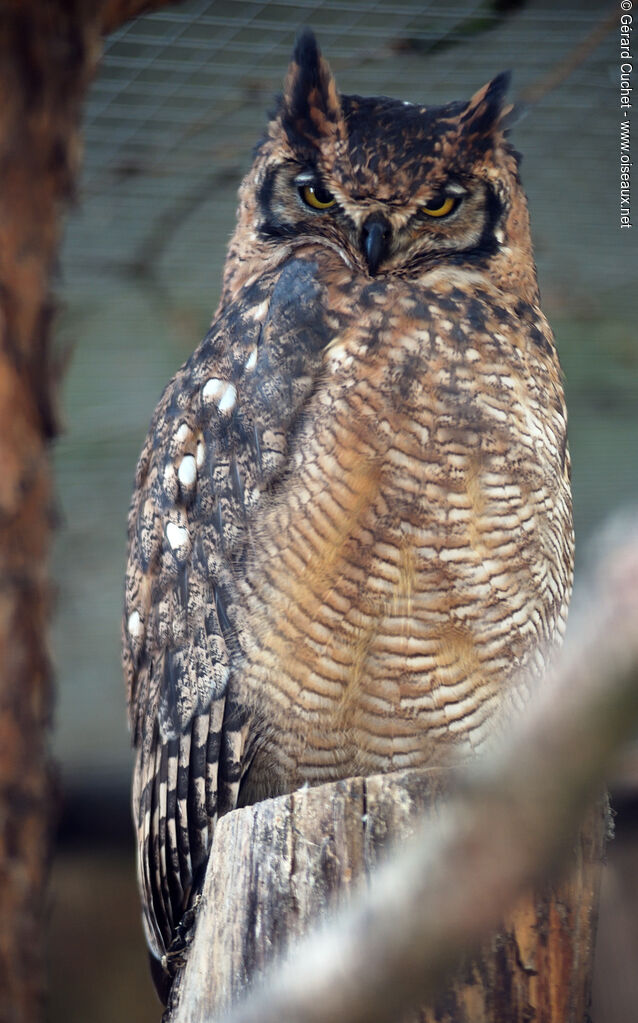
[511, 820]
[114, 13]
[567, 65]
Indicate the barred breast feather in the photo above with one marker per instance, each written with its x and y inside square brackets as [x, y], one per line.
[420, 557]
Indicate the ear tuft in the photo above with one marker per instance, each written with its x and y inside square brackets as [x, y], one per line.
[306, 52]
[486, 110]
[310, 107]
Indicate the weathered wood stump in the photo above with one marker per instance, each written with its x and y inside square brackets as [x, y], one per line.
[279, 866]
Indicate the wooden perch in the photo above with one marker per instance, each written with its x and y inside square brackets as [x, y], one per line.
[422, 932]
[280, 865]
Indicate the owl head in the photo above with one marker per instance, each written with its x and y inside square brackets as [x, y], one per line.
[392, 187]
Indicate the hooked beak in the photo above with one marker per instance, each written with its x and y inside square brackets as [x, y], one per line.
[375, 241]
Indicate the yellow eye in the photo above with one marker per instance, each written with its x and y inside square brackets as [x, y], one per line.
[440, 208]
[317, 197]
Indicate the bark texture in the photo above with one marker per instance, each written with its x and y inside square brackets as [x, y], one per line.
[47, 54]
[49, 50]
[279, 866]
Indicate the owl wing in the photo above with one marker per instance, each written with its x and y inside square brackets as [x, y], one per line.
[216, 450]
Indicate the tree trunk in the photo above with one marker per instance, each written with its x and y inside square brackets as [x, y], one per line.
[45, 62]
[48, 53]
[280, 865]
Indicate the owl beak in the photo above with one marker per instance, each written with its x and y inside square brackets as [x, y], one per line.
[375, 241]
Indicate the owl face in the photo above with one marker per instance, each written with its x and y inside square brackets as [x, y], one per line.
[392, 187]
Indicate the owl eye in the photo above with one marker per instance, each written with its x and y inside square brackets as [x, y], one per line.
[317, 197]
[440, 206]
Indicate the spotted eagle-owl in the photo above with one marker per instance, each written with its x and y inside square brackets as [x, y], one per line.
[351, 528]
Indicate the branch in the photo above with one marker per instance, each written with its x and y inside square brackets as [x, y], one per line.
[116, 12]
[509, 823]
[571, 61]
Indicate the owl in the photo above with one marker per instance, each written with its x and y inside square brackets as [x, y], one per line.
[351, 530]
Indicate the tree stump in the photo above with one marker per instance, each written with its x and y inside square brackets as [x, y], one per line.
[279, 866]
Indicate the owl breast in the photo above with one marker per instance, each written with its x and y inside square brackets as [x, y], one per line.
[418, 558]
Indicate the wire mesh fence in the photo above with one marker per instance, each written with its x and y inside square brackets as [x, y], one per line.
[182, 95]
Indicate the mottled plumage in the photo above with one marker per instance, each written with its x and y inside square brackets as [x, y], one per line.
[351, 527]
